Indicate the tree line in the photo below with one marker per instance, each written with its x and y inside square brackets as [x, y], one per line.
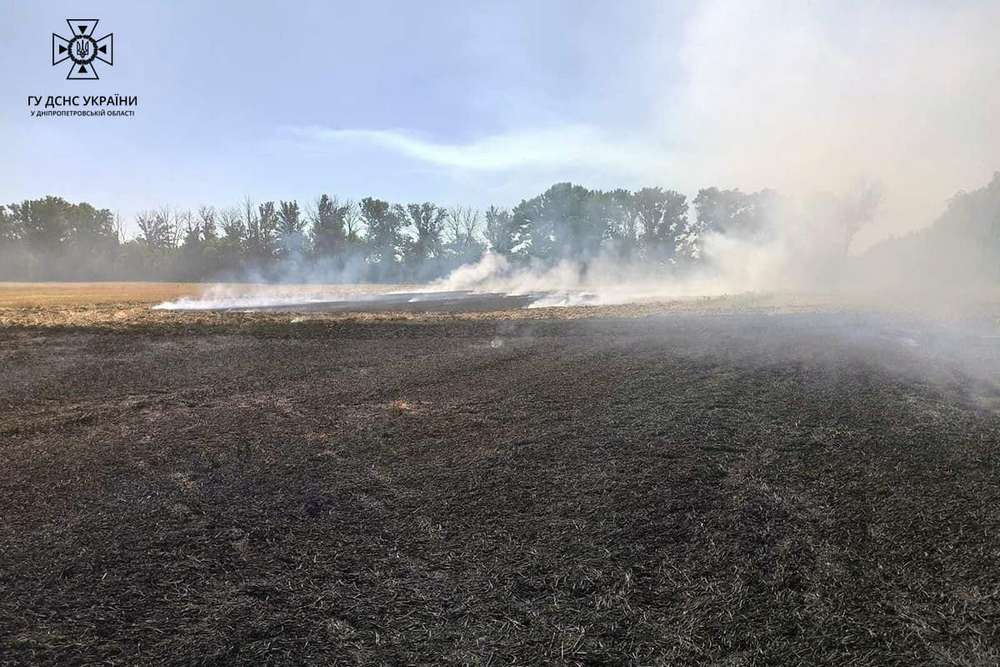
[376, 240]
[370, 239]
[960, 249]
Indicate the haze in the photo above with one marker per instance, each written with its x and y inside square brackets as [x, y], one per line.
[479, 103]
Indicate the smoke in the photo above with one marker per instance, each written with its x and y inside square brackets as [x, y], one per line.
[253, 296]
[564, 284]
[294, 280]
[766, 243]
[809, 97]
[827, 103]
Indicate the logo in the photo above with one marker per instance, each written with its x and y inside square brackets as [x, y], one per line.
[82, 49]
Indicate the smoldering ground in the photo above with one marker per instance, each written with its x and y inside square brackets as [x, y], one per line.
[747, 478]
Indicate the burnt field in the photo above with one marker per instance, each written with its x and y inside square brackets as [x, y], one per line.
[575, 486]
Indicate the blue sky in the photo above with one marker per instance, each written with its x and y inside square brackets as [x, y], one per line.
[459, 102]
[490, 102]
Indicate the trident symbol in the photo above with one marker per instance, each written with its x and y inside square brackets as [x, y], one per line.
[83, 48]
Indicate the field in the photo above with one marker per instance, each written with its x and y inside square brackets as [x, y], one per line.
[745, 480]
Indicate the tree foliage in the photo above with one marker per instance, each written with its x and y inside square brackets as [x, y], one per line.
[384, 224]
[427, 220]
[329, 231]
[374, 239]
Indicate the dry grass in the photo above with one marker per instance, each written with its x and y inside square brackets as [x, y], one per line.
[123, 305]
[120, 306]
[31, 295]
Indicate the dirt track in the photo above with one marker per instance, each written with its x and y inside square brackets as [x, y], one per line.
[678, 489]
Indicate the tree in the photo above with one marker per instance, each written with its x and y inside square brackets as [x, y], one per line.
[291, 236]
[462, 228]
[156, 229]
[51, 238]
[428, 221]
[10, 230]
[730, 212]
[261, 227]
[184, 226]
[843, 215]
[234, 230]
[207, 223]
[353, 224]
[566, 221]
[662, 216]
[14, 259]
[329, 234]
[503, 233]
[623, 227]
[190, 263]
[203, 253]
[42, 222]
[88, 227]
[233, 241]
[384, 224]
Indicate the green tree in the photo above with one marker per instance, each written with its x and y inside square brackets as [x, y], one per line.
[291, 237]
[565, 221]
[10, 230]
[384, 240]
[623, 228]
[427, 220]
[156, 230]
[731, 212]
[329, 234]
[190, 264]
[261, 232]
[88, 227]
[232, 244]
[13, 256]
[43, 222]
[207, 221]
[662, 216]
[502, 235]
[463, 236]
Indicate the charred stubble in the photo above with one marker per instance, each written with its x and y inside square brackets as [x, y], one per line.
[649, 491]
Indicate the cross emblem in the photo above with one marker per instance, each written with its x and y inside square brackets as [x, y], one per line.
[82, 49]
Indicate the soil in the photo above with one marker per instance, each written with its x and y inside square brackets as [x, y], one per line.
[724, 482]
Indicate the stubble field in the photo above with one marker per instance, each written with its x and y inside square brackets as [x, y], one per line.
[747, 480]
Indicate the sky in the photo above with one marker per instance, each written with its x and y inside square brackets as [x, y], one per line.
[483, 103]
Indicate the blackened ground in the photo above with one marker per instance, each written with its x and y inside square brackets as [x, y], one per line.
[455, 301]
[732, 489]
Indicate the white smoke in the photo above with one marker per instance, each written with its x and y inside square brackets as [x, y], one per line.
[809, 97]
[600, 281]
[252, 296]
[803, 97]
